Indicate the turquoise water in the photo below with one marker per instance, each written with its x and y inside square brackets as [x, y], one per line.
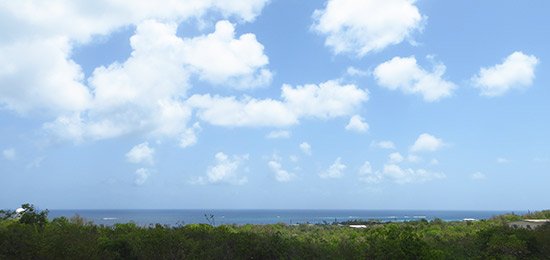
[240, 217]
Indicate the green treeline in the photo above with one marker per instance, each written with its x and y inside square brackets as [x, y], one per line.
[31, 236]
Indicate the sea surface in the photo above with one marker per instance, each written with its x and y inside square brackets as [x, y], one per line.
[240, 217]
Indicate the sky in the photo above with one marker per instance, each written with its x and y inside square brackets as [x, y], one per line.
[275, 104]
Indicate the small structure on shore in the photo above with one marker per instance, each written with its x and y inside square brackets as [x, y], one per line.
[528, 223]
[358, 226]
[19, 212]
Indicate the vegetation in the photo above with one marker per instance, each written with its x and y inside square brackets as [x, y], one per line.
[28, 235]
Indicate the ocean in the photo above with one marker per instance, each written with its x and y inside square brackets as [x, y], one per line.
[240, 217]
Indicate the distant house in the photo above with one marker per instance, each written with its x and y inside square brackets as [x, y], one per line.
[358, 226]
[18, 213]
[528, 223]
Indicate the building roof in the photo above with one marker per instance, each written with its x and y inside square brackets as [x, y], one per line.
[358, 226]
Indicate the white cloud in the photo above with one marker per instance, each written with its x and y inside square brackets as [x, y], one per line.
[326, 100]
[222, 59]
[478, 176]
[168, 117]
[154, 71]
[189, 136]
[517, 71]
[363, 26]
[133, 98]
[395, 157]
[141, 153]
[502, 160]
[355, 72]
[140, 95]
[246, 10]
[365, 169]
[427, 142]
[306, 148]
[335, 171]
[37, 76]
[434, 161]
[144, 94]
[225, 170]
[279, 134]
[103, 16]
[281, 175]
[406, 75]
[357, 124]
[9, 154]
[367, 175]
[75, 128]
[247, 112]
[36, 68]
[142, 175]
[414, 158]
[403, 176]
[384, 145]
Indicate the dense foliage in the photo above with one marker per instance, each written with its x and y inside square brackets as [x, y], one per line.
[28, 235]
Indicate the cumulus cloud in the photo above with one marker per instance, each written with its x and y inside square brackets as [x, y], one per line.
[517, 71]
[363, 26]
[412, 158]
[355, 72]
[37, 76]
[9, 154]
[224, 170]
[142, 175]
[334, 171]
[278, 134]
[50, 18]
[246, 112]
[367, 175]
[155, 77]
[222, 59]
[326, 100]
[384, 144]
[281, 175]
[478, 176]
[403, 176]
[189, 136]
[395, 157]
[306, 148]
[140, 95]
[403, 73]
[502, 160]
[154, 71]
[357, 124]
[36, 69]
[427, 143]
[144, 94]
[141, 153]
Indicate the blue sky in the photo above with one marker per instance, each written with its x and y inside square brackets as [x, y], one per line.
[336, 104]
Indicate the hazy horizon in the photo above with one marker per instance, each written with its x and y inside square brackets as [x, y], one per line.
[275, 104]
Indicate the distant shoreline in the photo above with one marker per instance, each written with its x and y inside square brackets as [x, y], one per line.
[264, 217]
